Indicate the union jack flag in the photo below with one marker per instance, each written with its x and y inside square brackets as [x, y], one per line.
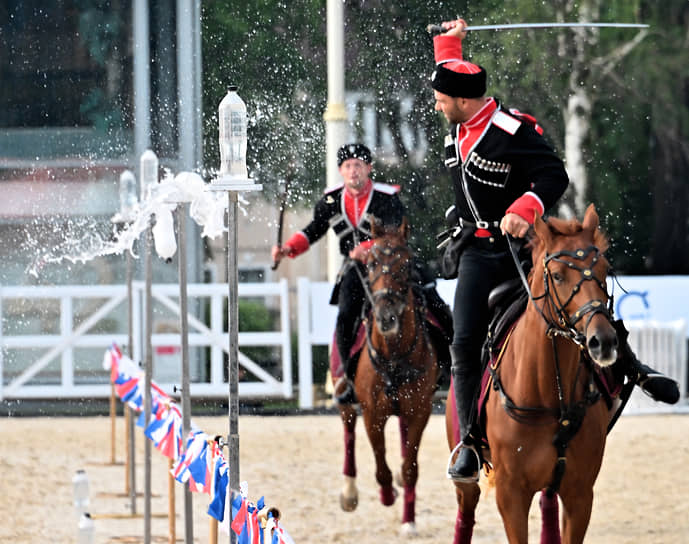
[166, 432]
[193, 465]
[219, 484]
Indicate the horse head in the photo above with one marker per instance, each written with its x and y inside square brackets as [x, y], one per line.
[569, 256]
[389, 267]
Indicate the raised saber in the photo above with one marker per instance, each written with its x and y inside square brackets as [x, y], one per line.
[432, 28]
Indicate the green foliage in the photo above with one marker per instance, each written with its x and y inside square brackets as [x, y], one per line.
[636, 152]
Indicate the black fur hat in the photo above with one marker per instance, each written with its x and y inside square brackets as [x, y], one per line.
[353, 151]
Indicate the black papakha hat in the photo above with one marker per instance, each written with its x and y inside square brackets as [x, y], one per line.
[469, 82]
[353, 151]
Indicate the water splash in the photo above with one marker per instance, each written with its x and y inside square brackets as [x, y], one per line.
[87, 239]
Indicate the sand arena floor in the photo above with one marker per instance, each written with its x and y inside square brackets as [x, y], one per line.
[642, 493]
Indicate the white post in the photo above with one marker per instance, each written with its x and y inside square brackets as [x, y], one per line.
[335, 115]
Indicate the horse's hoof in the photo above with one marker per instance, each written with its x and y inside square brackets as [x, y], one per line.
[408, 529]
[388, 495]
[348, 504]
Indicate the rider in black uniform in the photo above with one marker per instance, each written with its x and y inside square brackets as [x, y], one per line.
[349, 209]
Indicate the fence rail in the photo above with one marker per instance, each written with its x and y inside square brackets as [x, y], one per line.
[83, 310]
[44, 363]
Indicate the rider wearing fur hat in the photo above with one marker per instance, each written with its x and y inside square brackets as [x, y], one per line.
[503, 172]
[349, 209]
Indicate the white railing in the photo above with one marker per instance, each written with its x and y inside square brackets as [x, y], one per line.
[663, 346]
[29, 353]
[83, 309]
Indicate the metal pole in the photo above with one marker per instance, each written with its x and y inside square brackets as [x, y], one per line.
[147, 384]
[131, 450]
[233, 359]
[184, 331]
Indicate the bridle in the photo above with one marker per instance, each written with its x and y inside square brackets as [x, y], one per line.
[592, 307]
[396, 370]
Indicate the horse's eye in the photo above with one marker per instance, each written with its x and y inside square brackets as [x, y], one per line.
[557, 277]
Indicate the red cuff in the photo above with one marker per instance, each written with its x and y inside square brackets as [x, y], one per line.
[447, 48]
[297, 244]
[526, 207]
[366, 245]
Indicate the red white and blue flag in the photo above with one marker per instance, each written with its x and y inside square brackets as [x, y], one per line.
[166, 432]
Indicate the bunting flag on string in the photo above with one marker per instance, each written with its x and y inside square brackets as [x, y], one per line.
[203, 466]
[253, 525]
[239, 512]
[194, 465]
[166, 432]
[280, 535]
[219, 483]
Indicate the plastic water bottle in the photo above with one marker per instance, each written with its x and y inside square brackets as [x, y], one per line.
[232, 133]
[80, 484]
[86, 529]
[148, 173]
[127, 194]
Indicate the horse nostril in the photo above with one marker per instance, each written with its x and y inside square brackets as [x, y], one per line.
[594, 343]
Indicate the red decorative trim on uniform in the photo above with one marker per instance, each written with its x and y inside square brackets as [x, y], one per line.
[297, 244]
[526, 207]
[355, 206]
[470, 131]
[482, 233]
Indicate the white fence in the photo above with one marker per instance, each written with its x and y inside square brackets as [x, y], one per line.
[52, 340]
[42, 329]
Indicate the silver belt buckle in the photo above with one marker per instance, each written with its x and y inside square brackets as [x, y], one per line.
[482, 225]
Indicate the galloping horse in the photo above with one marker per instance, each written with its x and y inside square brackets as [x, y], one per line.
[396, 374]
[545, 420]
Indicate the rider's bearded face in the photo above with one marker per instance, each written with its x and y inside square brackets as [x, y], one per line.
[452, 108]
[355, 173]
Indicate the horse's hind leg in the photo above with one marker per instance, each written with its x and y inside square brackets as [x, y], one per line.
[349, 496]
[467, 499]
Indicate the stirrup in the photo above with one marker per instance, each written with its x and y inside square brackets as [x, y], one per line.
[465, 480]
[347, 396]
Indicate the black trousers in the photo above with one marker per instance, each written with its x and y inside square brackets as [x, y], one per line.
[350, 301]
[480, 270]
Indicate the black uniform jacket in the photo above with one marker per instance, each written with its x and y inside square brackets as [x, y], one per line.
[508, 160]
[383, 204]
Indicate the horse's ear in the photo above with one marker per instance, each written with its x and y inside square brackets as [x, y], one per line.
[591, 220]
[404, 228]
[542, 230]
[377, 229]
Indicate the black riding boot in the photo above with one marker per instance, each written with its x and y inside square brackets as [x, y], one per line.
[344, 388]
[658, 386]
[465, 383]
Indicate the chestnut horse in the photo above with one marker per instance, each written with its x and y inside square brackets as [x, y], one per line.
[396, 374]
[545, 420]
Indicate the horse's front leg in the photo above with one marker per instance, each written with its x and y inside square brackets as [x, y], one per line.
[513, 504]
[349, 496]
[375, 428]
[410, 469]
[576, 514]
